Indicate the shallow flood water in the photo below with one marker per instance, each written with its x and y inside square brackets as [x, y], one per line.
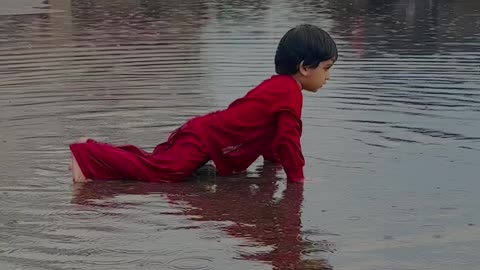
[392, 144]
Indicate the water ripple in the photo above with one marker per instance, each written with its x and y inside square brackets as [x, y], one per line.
[194, 262]
[401, 111]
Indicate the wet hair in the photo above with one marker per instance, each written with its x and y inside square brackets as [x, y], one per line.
[306, 43]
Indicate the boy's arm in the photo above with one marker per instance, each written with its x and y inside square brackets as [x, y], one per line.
[287, 144]
[270, 154]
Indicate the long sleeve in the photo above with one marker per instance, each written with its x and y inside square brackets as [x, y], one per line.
[287, 142]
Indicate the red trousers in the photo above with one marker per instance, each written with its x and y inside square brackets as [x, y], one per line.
[171, 161]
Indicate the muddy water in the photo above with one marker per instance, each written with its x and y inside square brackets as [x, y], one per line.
[392, 143]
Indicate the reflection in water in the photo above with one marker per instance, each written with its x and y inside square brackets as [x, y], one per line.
[392, 143]
[408, 27]
[251, 208]
[240, 11]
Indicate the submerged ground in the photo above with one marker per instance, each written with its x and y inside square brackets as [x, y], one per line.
[392, 143]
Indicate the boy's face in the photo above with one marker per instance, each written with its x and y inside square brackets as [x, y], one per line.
[315, 78]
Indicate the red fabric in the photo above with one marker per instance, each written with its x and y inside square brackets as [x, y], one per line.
[171, 161]
[266, 121]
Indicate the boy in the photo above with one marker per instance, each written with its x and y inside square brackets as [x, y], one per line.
[266, 121]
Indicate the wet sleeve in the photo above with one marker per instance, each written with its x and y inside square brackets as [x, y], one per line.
[288, 145]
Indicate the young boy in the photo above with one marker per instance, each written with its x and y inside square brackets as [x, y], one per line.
[266, 121]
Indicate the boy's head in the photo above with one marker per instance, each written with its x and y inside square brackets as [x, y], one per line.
[307, 52]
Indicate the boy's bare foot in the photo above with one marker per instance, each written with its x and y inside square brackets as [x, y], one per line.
[82, 140]
[82, 180]
[77, 174]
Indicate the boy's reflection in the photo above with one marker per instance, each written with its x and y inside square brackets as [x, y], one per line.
[258, 212]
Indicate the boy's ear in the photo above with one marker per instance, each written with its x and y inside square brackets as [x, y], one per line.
[302, 69]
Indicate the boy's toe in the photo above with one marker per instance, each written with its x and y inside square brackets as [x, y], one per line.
[82, 140]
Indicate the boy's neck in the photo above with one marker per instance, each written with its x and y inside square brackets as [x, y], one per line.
[295, 77]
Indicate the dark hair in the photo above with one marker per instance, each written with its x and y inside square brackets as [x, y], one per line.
[306, 43]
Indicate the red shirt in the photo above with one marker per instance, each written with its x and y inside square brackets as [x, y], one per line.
[266, 119]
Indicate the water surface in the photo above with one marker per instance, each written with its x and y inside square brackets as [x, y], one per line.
[392, 144]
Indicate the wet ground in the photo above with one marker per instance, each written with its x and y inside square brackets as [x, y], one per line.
[392, 144]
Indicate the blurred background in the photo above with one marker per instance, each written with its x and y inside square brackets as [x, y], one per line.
[392, 143]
